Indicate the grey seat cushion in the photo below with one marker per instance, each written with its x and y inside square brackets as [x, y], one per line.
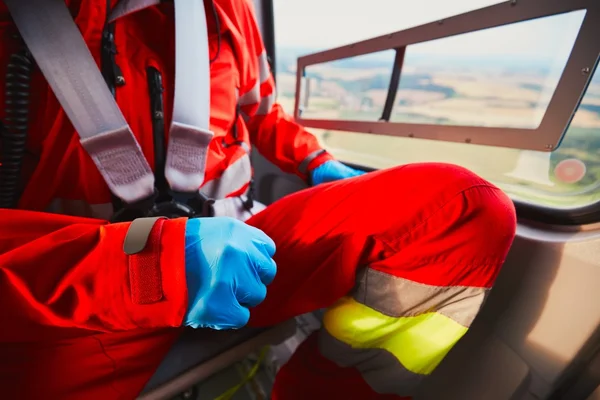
[196, 347]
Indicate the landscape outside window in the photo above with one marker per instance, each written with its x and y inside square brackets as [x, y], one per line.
[501, 77]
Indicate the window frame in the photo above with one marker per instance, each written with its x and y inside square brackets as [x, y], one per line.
[589, 214]
[557, 117]
[585, 215]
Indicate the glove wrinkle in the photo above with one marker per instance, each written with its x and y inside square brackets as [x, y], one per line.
[332, 171]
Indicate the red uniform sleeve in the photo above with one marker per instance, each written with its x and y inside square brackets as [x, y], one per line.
[64, 276]
[274, 133]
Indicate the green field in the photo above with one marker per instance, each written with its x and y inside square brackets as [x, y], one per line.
[505, 167]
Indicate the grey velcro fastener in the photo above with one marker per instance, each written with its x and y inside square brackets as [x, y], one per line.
[138, 234]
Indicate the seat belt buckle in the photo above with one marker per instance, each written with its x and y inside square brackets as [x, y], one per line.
[180, 205]
[190, 205]
[199, 202]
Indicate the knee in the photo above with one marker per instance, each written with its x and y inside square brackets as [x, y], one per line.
[481, 206]
[444, 205]
[470, 203]
[489, 217]
[432, 174]
[426, 188]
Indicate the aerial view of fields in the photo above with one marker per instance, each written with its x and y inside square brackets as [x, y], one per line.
[454, 91]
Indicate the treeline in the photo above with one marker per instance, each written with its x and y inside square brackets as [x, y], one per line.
[382, 81]
[582, 144]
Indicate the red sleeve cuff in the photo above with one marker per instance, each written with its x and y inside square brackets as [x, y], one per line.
[154, 292]
[320, 160]
[316, 162]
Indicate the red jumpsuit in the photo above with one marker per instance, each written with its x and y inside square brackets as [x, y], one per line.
[72, 324]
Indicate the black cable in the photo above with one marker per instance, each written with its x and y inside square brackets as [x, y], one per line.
[16, 123]
[155, 90]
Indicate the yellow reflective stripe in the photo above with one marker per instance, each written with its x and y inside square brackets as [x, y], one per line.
[419, 343]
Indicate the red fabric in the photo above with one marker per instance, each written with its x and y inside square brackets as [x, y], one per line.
[309, 375]
[94, 367]
[63, 277]
[69, 326]
[65, 284]
[322, 234]
[276, 135]
[456, 231]
[432, 223]
[61, 166]
[144, 270]
[65, 281]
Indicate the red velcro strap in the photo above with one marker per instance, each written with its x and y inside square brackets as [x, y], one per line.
[144, 269]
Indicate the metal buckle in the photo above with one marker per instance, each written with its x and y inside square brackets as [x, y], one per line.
[171, 209]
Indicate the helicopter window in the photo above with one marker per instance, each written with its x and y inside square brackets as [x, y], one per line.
[498, 77]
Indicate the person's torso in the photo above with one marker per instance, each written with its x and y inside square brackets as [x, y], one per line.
[57, 167]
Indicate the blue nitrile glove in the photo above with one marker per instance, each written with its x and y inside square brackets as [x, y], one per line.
[333, 170]
[227, 265]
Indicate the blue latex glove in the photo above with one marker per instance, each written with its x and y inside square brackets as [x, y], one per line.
[332, 171]
[227, 265]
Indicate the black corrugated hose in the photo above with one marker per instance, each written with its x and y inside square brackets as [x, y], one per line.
[14, 129]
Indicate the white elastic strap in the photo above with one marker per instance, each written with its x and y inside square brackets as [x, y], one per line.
[63, 57]
[189, 135]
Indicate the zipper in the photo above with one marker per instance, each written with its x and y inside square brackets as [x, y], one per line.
[234, 132]
[155, 88]
[110, 70]
[250, 194]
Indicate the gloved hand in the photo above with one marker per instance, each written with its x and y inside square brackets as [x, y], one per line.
[332, 170]
[227, 265]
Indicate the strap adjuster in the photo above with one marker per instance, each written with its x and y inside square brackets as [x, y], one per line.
[203, 204]
[182, 204]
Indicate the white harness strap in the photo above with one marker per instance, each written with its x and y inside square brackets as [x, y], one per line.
[63, 57]
[125, 7]
[189, 134]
